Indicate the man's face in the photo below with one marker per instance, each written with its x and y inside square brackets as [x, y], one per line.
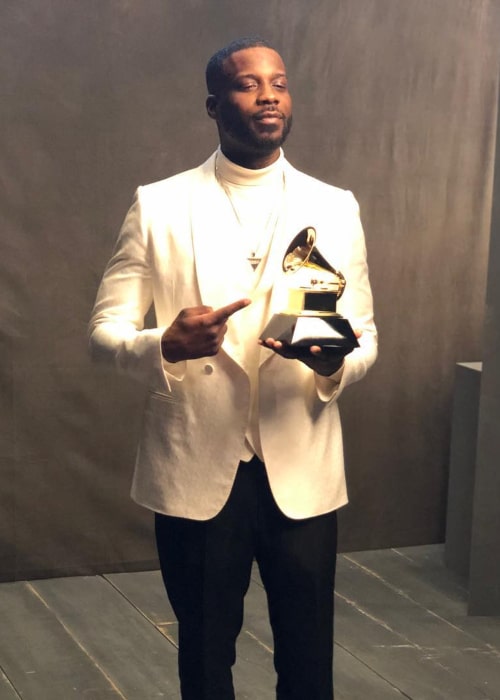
[254, 110]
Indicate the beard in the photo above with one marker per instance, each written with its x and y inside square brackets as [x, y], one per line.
[264, 140]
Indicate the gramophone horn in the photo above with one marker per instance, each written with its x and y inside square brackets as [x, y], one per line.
[302, 252]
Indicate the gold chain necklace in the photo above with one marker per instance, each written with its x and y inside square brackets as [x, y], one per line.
[270, 226]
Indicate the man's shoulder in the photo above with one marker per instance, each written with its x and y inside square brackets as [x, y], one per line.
[178, 181]
[316, 187]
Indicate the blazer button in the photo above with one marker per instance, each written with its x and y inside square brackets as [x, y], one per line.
[208, 369]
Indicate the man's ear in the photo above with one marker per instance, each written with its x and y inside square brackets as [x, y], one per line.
[211, 105]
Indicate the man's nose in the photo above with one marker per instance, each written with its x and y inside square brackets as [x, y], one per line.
[267, 94]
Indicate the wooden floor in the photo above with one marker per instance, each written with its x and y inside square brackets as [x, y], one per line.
[401, 632]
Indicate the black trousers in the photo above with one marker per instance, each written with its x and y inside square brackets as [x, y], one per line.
[206, 567]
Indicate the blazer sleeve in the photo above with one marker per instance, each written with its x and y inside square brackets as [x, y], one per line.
[116, 330]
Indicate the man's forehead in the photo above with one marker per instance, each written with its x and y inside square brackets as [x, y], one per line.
[253, 60]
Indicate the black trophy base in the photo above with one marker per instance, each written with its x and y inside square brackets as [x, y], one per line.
[302, 331]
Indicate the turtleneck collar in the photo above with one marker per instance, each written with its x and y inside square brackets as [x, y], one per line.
[237, 175]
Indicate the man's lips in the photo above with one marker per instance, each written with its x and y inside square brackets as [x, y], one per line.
[269, 115]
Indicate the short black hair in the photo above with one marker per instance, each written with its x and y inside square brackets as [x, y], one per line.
[214, 73]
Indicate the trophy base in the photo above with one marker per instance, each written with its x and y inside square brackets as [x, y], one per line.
[329, 331]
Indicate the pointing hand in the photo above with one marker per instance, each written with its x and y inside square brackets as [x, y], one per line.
[198, 331]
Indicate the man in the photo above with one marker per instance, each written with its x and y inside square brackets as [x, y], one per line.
[241, 449]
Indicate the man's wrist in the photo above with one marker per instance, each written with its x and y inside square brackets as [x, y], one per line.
[330, 369]
[167, 352]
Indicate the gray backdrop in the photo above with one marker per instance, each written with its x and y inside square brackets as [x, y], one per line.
[394, 99]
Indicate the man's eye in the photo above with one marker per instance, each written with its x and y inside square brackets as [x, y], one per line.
[281, 86]
[247, 86]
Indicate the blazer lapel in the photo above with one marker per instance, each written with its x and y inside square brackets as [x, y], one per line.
[221, 280]
[213, 234]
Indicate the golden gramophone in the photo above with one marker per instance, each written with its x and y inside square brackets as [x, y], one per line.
[314, 287]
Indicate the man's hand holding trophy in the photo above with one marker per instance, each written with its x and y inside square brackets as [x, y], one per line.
[310, 329]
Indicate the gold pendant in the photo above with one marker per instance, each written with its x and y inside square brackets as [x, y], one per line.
[254, 261]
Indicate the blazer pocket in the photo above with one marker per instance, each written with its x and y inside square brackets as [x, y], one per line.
[160, 396]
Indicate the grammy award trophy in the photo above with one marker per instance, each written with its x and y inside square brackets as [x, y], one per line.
[314, 287]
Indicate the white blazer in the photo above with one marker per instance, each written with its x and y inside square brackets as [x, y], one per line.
[170, 252]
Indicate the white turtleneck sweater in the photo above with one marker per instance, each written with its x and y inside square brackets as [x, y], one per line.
[256, 199]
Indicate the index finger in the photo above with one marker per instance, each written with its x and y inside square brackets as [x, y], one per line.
[222, 314]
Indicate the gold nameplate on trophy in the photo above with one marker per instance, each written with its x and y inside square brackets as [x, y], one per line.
[314, 287]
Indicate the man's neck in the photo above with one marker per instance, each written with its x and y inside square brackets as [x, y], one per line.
[251, 161]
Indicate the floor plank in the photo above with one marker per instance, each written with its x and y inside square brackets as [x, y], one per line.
[37, 652]
[414, 633]
[421, 574]
[401, 629]
[254, 675]
[140, 661]
[145, 591]
[355, 681]
[7, 691]
[432, 619]
[394, 658]
[427, 579]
